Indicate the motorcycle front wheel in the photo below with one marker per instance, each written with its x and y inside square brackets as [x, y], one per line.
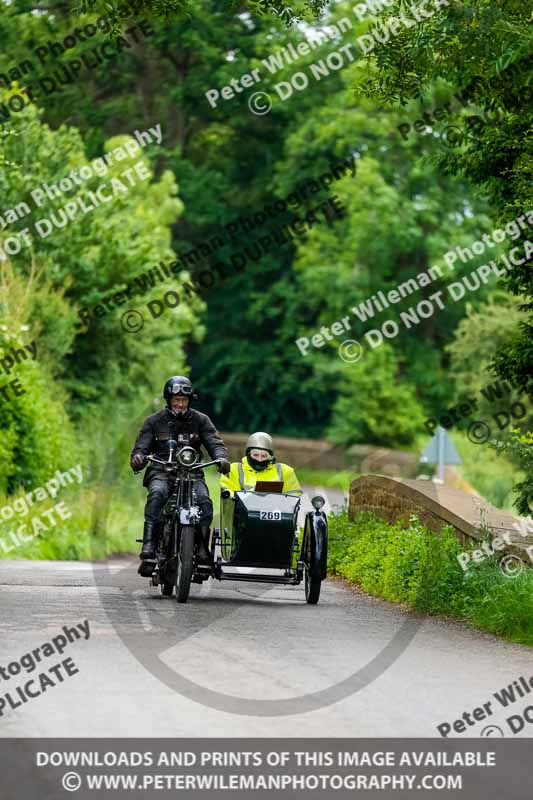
[185, 564]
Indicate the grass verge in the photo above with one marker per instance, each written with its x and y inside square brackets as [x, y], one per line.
[94, 523]
[419, 568]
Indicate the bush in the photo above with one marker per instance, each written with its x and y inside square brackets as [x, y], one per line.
[36, 435]
[497, 604]
[376, 404]
[420, 568]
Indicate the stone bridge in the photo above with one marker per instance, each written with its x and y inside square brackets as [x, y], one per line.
[472, 517]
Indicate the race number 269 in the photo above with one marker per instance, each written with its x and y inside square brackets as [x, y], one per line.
[270, 515]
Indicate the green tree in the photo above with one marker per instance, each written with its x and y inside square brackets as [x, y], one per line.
[491, 326]
[78, 264]
[37, 436]
[520, 447]
[483, 48]
[402, 213]
[374, 404]
[168, 9]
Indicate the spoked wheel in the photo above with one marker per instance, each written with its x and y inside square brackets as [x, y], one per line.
[166, 574]
[313, 582]
[185, 561]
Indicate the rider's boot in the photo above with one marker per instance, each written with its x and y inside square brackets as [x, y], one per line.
[204, 552]
[149, 541]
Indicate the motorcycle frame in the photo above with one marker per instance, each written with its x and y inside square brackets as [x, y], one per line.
[181, 501]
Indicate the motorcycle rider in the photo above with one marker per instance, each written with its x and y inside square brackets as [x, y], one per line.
[188, 427]
[259, 464]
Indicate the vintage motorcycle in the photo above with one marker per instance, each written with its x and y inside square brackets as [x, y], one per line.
[182, 556]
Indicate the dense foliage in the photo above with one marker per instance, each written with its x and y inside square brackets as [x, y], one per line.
[521, 446]
[485, 49]
[168, 9]
[408, 203]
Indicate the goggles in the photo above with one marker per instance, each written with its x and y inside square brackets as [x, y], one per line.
[181, 388]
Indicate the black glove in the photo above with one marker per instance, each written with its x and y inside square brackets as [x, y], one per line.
[137, 462]
[224, 466]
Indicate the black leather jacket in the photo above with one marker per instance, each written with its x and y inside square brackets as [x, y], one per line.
[192, 428]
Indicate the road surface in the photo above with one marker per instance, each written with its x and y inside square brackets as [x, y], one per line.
[253, 642]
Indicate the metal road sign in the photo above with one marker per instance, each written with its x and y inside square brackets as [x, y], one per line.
[440, 450]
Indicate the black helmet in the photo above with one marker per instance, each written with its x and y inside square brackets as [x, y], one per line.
[178, 384]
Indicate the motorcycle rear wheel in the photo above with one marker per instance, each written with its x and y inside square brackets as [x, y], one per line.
[185, 565]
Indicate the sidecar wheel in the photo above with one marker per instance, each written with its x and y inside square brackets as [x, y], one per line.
[313, 583]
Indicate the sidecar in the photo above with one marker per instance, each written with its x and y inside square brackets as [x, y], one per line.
[259, 531]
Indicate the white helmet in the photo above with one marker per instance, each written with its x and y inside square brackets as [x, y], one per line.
[260, 441]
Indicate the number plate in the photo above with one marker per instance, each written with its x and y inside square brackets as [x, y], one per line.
[270, 515]
[190, 516]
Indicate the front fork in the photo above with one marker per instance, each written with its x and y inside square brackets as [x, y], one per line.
[170, 541]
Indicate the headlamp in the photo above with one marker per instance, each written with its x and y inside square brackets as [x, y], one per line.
[317, 502]
[187, 456]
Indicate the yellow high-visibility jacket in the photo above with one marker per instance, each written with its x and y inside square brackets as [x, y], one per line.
[243, 476]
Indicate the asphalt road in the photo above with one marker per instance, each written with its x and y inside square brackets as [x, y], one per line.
[231, 661]
[249, 641]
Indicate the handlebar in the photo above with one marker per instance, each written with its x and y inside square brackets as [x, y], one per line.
[172, 465]
[208, 463]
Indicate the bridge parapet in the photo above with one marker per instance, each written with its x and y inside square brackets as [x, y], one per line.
[437, 505]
